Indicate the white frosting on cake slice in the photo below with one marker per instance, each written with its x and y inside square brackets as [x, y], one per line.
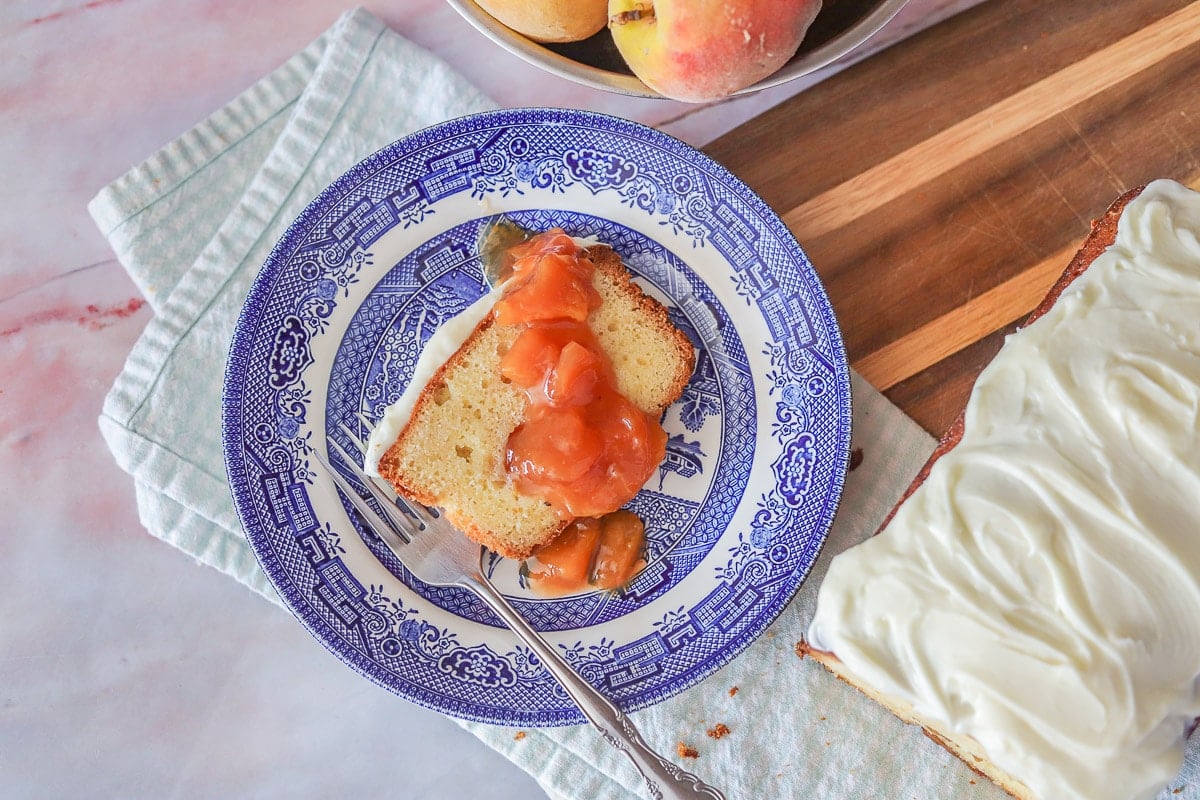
[1040, 591]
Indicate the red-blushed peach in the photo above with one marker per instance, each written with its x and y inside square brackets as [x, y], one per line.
[697, 50]
[550, 20]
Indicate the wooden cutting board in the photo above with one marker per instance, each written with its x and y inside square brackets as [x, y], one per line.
[940, 187]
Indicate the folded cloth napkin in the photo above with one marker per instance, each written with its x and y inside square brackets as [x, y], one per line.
[193, 223]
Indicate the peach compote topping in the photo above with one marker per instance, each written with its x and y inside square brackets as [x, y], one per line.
[583, 447]
[546, 280]
[590, 553]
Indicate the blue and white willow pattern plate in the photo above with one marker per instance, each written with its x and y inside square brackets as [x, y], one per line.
[759, 442]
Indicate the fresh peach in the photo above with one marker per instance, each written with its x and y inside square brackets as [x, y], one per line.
[550, 20]
[698, 50]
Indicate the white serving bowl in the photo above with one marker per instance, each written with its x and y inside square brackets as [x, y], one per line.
[841, 27]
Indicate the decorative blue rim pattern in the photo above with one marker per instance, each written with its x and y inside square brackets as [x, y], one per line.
[759, 443]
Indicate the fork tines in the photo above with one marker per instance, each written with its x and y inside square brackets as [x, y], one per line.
[381, 515]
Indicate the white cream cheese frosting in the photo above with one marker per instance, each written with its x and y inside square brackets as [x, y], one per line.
[1040, 591]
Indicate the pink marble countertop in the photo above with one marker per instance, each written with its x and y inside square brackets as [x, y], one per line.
[126, 670]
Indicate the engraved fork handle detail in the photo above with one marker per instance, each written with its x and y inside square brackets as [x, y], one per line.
[664, 779]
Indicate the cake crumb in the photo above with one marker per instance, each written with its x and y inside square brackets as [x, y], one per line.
[856, 459]
[718, 730]
[518, 736]
[687, 751]
[800, 649]
[733, 691]
[822, 718]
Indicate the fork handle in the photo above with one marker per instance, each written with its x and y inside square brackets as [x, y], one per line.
[664, 779]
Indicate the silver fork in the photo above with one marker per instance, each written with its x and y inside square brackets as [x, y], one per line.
[439, 554]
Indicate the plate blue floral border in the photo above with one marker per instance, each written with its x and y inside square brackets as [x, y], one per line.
[759, 443]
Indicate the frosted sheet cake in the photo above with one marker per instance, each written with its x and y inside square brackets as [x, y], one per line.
[1034, 601]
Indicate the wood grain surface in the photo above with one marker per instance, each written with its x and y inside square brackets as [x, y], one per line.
[942, 186]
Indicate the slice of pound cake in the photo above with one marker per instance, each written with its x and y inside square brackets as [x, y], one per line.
[1034, 600]
[550, 409]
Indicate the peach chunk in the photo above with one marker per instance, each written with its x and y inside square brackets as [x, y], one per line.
[697, 50]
